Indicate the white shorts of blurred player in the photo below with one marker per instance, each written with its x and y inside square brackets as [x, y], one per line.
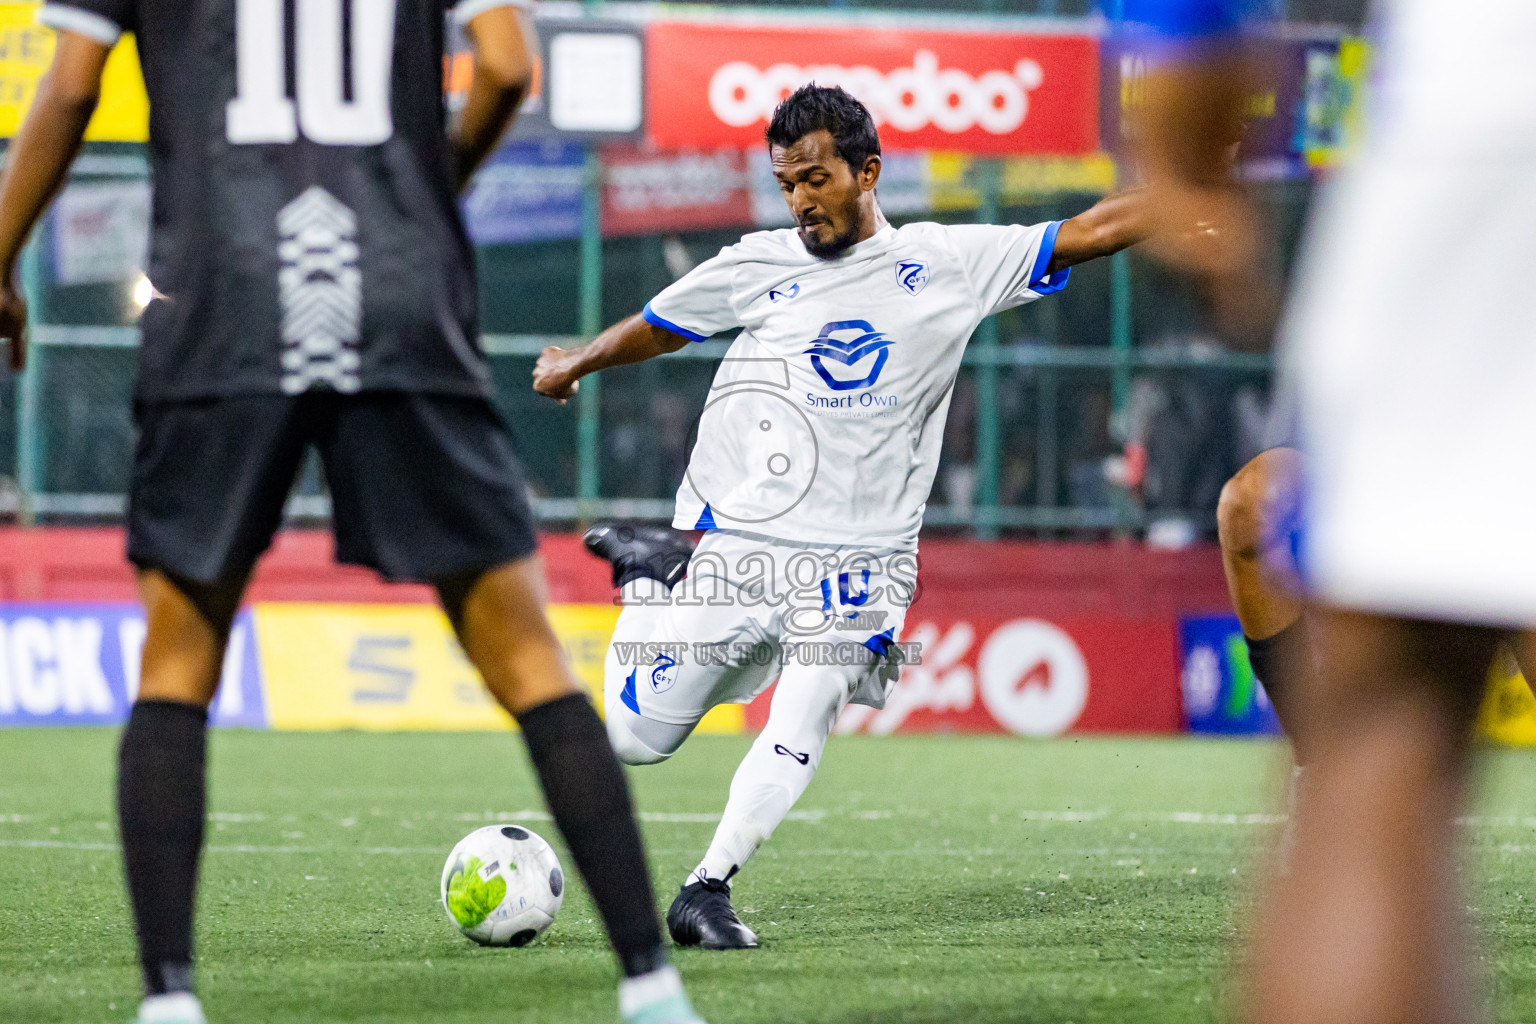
[823, 620]
[1411, 349]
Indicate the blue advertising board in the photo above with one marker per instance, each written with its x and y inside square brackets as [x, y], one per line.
[78, 664]
[1221, 694]
[527, 192]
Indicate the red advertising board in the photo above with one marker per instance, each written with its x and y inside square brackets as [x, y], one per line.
[1028, 676]
[978, 92]
[645, 192]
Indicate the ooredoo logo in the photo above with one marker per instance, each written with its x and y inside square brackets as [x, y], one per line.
[907, 98]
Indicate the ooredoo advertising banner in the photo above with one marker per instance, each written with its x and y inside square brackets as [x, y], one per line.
[709, 84]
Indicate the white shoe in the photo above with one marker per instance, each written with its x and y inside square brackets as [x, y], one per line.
[172, 1008]
[656, 998]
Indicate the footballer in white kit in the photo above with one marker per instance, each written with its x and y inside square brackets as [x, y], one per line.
[816, 451]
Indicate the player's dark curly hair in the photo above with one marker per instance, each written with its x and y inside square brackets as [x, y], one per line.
[812, 108]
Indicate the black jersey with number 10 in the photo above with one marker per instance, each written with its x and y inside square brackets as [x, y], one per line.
[305, 233]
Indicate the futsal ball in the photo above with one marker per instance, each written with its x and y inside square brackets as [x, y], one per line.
[502, 886]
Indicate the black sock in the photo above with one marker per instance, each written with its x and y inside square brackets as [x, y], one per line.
[161, 783]
[1277, 661]
[589, 798]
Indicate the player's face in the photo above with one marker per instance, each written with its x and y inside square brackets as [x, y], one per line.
[832, 203]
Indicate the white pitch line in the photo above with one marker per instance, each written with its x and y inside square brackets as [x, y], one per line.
[55, 844]
[813, 816]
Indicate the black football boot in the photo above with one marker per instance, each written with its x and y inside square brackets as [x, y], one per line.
[702, 916]
[641, 550]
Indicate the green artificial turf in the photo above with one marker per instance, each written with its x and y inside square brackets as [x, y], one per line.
[922, 880]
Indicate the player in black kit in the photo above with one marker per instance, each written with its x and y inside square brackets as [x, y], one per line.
[314, 286]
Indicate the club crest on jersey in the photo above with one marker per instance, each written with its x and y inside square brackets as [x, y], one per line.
[912, 275]
[849, 342]
[784, 294]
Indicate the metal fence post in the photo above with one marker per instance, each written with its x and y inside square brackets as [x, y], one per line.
[1126, 510]
[589, 323]
[1120, 337]
[988, 427]
[29, 434]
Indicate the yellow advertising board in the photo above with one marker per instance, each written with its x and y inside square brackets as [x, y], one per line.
[953, 182]
[1508, 714]
[26, 50]
[399, 667]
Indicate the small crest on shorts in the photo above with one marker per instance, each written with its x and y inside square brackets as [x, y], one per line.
[912, 275]
[663, 673]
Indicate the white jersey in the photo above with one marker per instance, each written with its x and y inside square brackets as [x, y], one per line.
[825, 419]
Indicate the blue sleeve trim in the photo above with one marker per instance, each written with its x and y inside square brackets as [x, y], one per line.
[651, 316]
[1039, 282]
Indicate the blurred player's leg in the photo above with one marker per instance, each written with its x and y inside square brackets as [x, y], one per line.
[770, 779]
[161, 782]
[501, 620]
[1361, 928]
[1260, 570]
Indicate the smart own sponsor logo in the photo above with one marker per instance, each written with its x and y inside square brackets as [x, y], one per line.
[908, 99]
[856, 346]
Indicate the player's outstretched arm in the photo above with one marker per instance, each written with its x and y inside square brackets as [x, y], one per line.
[1115, 223]
[39, 157]
[503, 41]
[558, 371]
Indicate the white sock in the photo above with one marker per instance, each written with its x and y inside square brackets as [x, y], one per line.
[644, 989]
[734, 844]
[777, 769]
[171, 1008]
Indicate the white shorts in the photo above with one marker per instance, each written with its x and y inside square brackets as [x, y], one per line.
[749, 606]
[1411, 348]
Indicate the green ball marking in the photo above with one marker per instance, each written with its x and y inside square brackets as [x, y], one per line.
[470, 899]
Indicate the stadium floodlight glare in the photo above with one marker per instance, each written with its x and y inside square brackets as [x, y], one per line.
[143, 291]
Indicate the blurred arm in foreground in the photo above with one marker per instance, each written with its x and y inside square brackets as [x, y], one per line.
[1188, 131]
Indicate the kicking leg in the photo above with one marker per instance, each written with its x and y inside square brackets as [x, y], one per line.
[635, 738]
[648, 561]
[1364, 927]
[771, 778]
[1260, 574]
[500, 619]
[162, 779]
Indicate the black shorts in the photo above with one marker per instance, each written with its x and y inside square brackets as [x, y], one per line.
[423, 487]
